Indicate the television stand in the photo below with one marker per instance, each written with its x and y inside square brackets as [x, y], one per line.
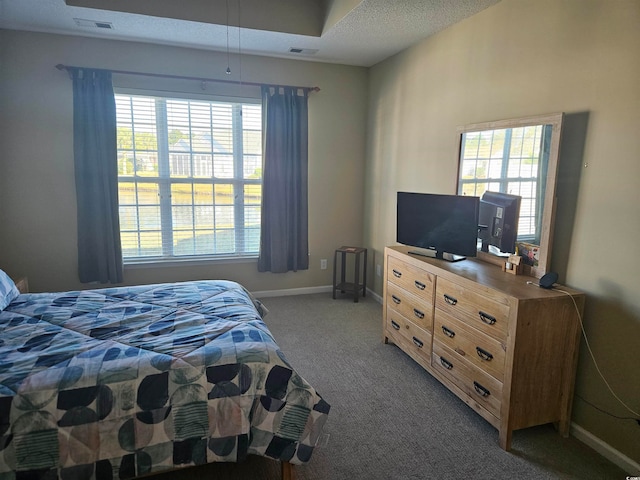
[449, 257]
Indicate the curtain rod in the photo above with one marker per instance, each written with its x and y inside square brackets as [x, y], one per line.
[199, 79]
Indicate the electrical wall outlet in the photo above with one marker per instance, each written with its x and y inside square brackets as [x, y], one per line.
[379, 270]
[323, 264]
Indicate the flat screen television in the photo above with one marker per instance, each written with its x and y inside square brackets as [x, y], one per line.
[498, 220]
[441, 226]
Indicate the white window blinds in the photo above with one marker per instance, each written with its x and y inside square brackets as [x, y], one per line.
[190, 177]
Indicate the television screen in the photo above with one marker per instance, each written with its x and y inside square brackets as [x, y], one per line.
[499, 214]
[446, 226]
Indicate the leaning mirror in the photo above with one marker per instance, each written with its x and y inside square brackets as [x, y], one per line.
[517, 157]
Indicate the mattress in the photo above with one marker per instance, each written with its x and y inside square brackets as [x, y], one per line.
[122, 382]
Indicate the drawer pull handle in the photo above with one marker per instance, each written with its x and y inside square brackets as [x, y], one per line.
[418, 342]
[448, 332]
[396, 273]
[450, 300]
[483, 392]
[395, 299]
[418, 313]
[420, 285]
[395, 325]
[486, 318]
[483, 354]
[446, 363]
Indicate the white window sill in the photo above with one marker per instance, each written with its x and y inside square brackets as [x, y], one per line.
[184, 262]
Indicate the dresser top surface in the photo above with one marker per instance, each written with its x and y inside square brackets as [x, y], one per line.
[483, 274]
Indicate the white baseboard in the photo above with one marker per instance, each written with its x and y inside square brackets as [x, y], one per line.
[374, 295]
[292, 291]
[625, 463]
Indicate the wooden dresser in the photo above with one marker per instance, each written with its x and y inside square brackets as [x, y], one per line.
[506, 348]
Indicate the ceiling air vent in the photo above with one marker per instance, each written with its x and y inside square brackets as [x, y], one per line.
[93, 24]
[303, 51]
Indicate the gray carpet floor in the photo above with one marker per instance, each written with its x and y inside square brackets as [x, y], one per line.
[389, 418]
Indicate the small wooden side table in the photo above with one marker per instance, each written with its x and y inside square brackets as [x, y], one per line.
[351, 287]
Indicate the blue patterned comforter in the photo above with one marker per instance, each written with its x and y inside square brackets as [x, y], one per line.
[121, 382]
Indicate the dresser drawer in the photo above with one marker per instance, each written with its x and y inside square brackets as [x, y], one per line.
[413, 308]
[478, 349]
[480, 387]
[411, 279]
[487, 313]
[408, 335]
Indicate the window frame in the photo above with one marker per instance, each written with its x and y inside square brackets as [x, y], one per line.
[164, 181]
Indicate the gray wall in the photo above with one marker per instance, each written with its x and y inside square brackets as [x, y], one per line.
[37, 192]
[521, 58]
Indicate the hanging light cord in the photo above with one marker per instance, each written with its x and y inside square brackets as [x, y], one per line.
[228, 71]
[239, 46]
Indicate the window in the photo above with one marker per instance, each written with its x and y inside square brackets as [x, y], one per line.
[190, 177]
[509, 160]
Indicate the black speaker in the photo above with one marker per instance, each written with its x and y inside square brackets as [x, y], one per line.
[548, 279]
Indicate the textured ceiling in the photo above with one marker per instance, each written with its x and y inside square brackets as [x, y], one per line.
[351, 32]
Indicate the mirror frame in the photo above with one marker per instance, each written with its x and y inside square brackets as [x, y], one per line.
[549, 210]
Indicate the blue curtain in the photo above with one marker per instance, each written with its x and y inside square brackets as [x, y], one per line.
[96, 173]
[284, 238]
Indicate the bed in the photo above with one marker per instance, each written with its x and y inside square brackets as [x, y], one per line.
[129, 381]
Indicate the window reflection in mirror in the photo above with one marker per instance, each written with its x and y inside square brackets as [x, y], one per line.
[519, 157]
[509, 160]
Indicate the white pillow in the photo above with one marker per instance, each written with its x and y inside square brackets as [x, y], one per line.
[8, 290]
